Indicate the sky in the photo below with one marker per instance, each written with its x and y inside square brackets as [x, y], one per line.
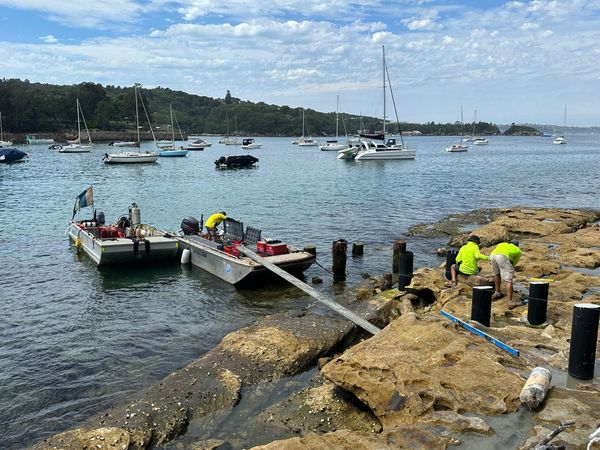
[501, 61]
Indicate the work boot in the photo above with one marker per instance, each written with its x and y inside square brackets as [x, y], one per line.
[497, 295]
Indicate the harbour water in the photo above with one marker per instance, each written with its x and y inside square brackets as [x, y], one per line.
[75, 339]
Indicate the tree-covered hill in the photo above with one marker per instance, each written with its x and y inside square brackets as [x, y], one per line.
[36, 107]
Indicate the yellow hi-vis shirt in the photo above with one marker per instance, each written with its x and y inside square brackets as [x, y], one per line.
[468, 255]
[215, 220]
[511, 251]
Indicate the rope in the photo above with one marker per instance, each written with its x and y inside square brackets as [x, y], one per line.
[325, 269]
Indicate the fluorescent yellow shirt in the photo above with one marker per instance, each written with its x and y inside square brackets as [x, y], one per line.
[511, 251]
[215, 220]
[468, 255]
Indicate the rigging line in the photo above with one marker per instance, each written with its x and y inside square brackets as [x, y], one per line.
[394, 103]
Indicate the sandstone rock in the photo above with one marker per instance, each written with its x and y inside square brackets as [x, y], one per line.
[418, 367]
[107, 438]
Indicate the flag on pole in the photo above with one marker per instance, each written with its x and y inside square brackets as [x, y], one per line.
[86, 198]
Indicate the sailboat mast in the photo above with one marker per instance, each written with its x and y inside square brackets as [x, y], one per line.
[172, 128]
[137, 115]
[1, 132]
[337, 118]
[383, 50]
[78, 124]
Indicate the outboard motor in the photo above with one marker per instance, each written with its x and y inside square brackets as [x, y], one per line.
[190, 225]
[221, 160]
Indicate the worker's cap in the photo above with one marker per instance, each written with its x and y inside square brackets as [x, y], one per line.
[474, 238]
[224, 213]
[515, 242]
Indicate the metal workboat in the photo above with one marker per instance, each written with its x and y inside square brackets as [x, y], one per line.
[225, 258]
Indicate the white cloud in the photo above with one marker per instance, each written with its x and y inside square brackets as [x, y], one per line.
[81, 13]
[529, 26]
[49, 39]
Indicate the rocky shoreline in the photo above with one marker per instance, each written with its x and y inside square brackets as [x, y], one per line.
[423, 382]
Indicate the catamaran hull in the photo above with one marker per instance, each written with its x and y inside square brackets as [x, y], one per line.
[124, 250]
[384, 155]
[239, 271]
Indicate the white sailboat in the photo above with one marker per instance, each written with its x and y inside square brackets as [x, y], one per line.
[561, 139]
[459, 147]
[334, 145]
[134, 157]
[170, 150]
[305, 141]
[3, 143]
[229, 140]
[364, 149]
[76, 146]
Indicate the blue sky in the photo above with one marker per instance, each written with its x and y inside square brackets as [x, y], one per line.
[512, 61]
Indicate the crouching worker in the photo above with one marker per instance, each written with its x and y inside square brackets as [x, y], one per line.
[213, 222]
[466, 260]
[504, 258]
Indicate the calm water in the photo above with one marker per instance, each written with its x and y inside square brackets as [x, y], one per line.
[75, 339]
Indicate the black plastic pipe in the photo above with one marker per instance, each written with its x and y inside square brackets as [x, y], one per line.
[537, 304]
[481, 305]
[450, 259]
[405, 269]
[584, 334]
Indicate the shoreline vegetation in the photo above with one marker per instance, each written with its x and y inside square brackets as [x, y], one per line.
[34, 108]
[423, 382]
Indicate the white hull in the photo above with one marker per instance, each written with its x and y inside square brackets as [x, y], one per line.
[308, 143]
[5, 143]
[378, 154]
[126, 144]
[130, 158]
[251, 146]
[119, 250]
[198, 144]
[206, 256]
[333, 147]
[75, 148]
[457, 148]
[480, 142]
[559, 140]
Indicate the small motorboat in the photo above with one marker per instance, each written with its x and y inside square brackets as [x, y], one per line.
[480, 141]
[10, 155]
[250, 144]
[198, 144]
[456, 148]
[130, 157]
[236, 162]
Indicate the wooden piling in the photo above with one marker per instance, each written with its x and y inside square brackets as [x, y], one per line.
[338, 251]
[357, 248]
[311, 249]
[399, 247]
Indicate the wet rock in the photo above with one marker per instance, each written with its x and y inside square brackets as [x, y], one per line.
[107, 438]
[562, 405]
[363, 293]
[403, 437]
[317, 280]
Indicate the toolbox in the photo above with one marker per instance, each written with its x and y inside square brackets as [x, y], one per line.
[232, 250]
[276, 249]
